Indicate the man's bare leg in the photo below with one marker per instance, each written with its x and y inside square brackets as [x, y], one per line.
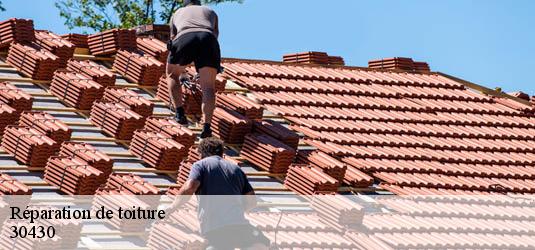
[207, 82]
[174, 72]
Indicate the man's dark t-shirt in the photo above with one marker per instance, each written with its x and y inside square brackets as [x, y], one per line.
[222, 184]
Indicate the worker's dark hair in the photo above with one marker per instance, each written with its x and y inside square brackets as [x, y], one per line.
[211, 146]
[192, 2]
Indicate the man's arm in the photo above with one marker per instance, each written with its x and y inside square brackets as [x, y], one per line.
[188, 189]
[184, 194]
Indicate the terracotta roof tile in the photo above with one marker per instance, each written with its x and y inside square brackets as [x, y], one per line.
[92, 70]
[89, 154]
[75, 89]
[153, 47]
[28, 145]
[79, 40]
[145, 70]
[116, 119]
[16, 30]
[73, 176]
[240, 104]
[59, 46]
[45, 123]
[157, 150]
[33, 61]
[111, 41]
[131, 99]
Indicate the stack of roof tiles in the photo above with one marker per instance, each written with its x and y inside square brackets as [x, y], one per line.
[75, 89]
[73, 176]
[240, 104]
[153, 47]
[11, 186]
[145, 70]
[111, 41]
[131, 99]
[114, 199]
[16, 31]
[116, 119]
[55, 44]
[401, 63]
[158, 31]
[277, 131]
[86, 152]
[184, 171]
[313, 57]
[230, 126]
[15, 97]
[167, 236]
[170, 128]
[33, 61]
[421, 66]
[336, 60]
[338, 211]
[79, 40]
[192, 98]
[93, 71]
[131, 183]
[267, 153]
[9, 116]
[159, 151]
[323, 161]
[48, 125]
[307, 180]
[28, 145]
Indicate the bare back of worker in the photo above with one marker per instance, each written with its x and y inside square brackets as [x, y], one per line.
[194, 32]
[224, 194]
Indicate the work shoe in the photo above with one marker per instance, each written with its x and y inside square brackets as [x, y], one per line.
[206, 131]
[180, 117]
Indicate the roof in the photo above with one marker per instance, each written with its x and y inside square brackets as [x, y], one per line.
[424, 130]
[327, 127]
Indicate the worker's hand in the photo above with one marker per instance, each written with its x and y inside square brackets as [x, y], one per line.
[171, 209]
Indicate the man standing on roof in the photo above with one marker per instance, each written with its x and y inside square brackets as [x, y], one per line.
[194, 32]
[224, 194]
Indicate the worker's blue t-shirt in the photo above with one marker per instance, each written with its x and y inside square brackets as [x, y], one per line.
[222, 184]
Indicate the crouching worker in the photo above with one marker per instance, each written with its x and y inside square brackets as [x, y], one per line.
[224, 194]
[194, 32]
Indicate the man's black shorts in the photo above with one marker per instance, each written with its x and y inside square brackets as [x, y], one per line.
[235, 236]
[202, 48]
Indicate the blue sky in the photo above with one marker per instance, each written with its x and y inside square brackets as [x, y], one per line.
[489, 42]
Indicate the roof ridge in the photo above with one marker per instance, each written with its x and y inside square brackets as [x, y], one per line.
[233, 59]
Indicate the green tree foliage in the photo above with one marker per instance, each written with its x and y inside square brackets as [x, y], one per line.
[101, 15]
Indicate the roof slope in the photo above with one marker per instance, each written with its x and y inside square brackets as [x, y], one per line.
[420, 130]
